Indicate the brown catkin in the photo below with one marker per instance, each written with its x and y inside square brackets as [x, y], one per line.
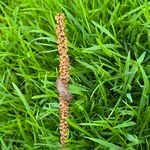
[63, 75]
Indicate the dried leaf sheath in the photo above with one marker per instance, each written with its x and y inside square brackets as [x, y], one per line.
[62, 81]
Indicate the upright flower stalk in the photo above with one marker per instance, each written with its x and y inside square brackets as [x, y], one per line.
[63, 79]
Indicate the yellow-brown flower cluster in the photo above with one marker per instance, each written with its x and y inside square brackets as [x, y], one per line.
[63, 77]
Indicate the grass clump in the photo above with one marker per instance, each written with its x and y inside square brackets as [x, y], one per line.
[109, 53]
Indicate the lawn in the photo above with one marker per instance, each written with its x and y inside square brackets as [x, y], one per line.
[109, 50]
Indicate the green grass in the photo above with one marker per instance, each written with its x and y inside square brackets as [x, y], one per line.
[109, 49]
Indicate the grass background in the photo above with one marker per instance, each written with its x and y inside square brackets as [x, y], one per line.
[109, 49]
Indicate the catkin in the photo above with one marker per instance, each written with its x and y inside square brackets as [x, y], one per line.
[63, 76]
